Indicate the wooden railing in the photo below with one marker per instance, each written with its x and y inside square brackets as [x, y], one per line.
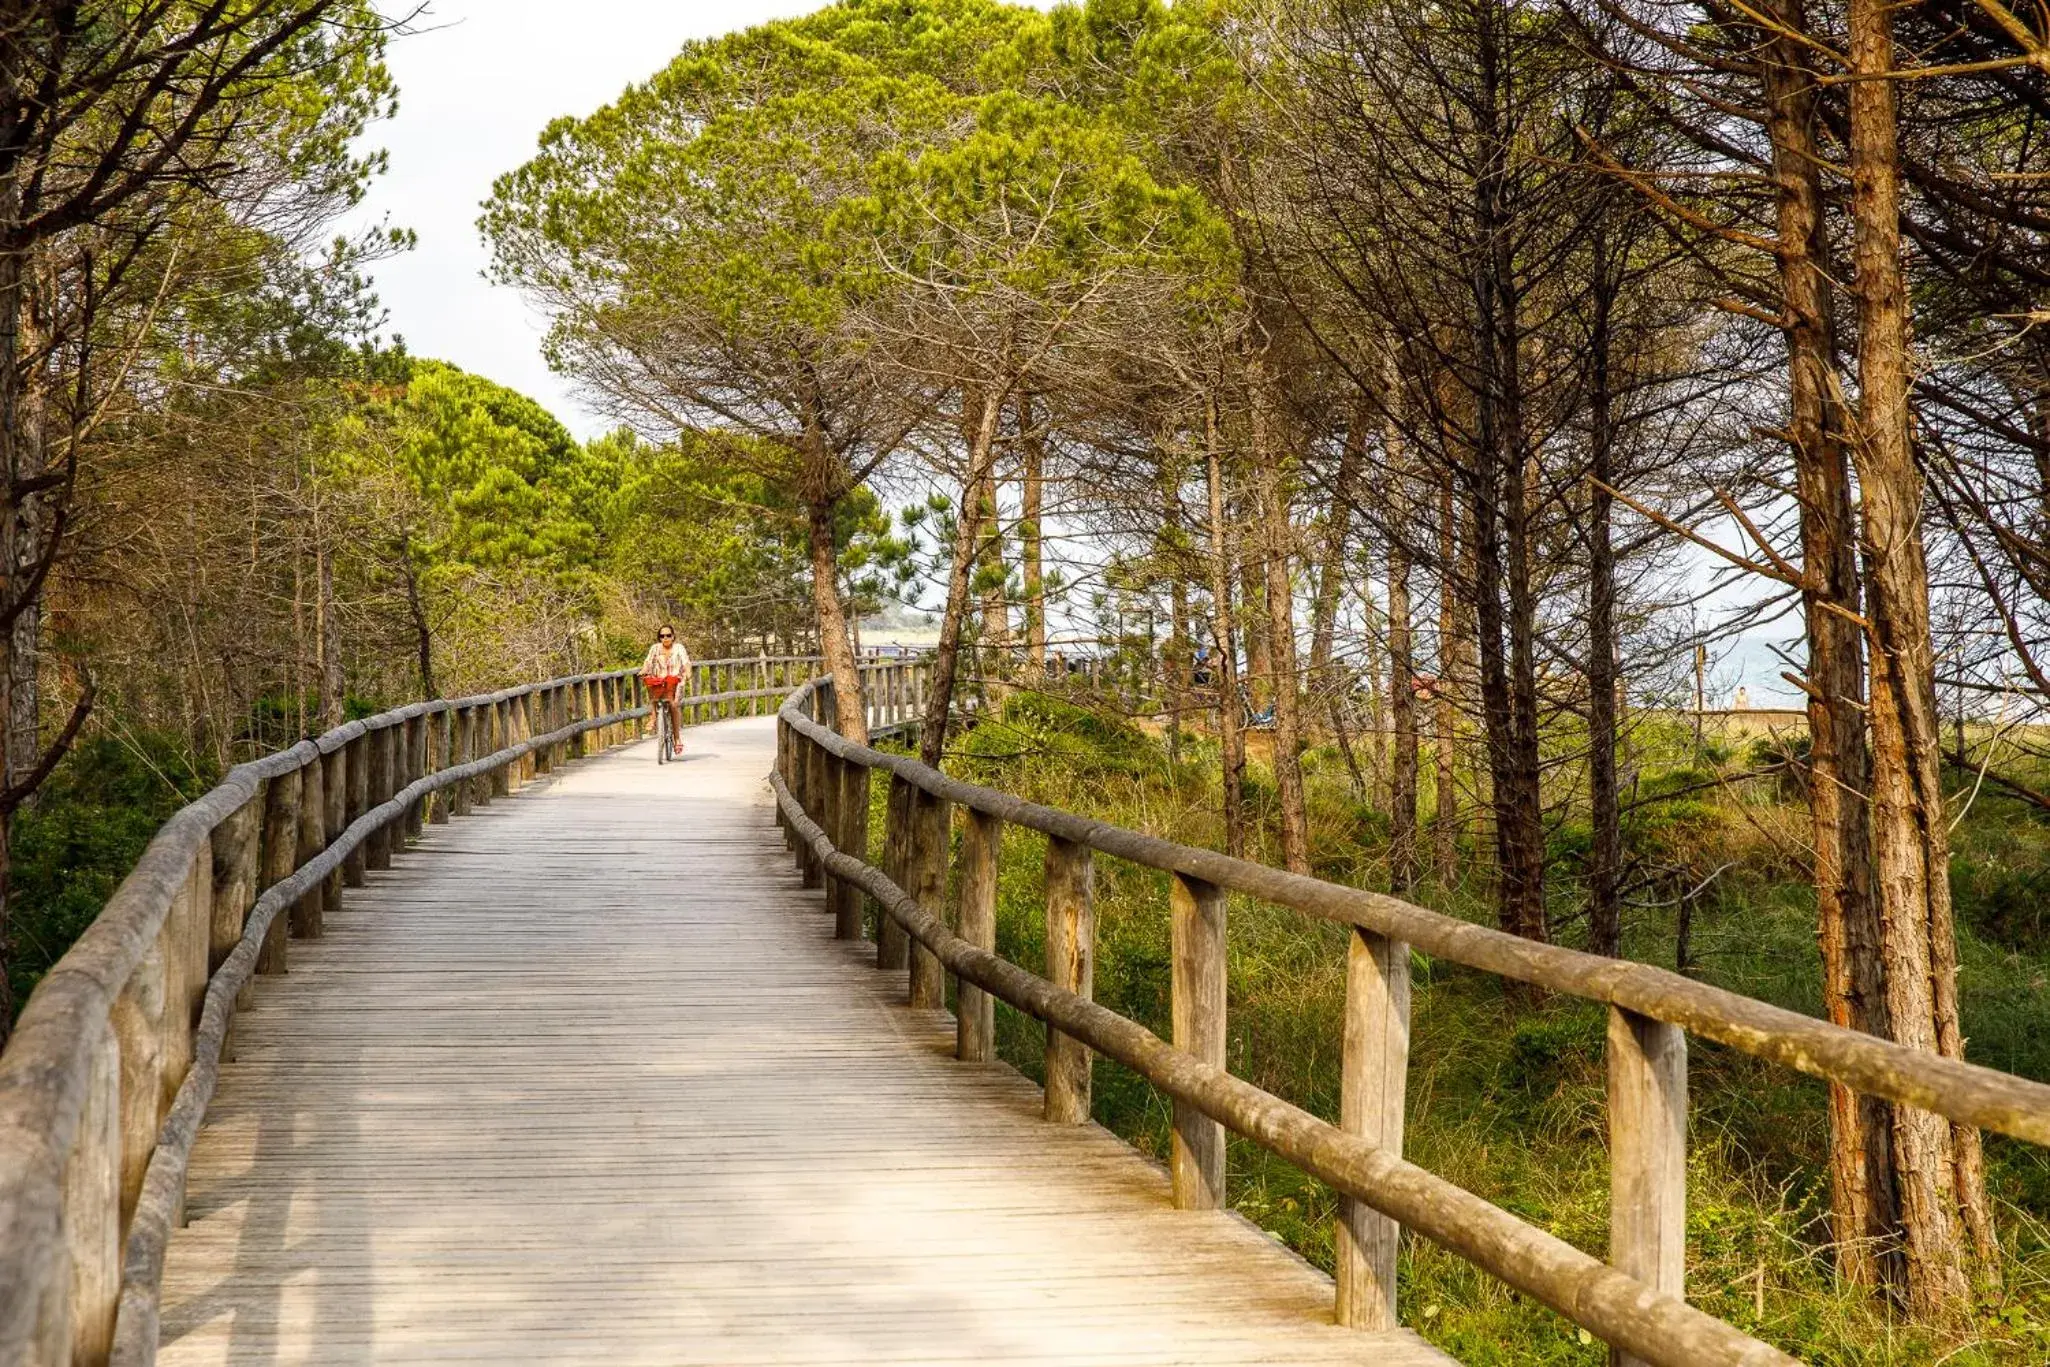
[108, 1073]
[1636, 1303]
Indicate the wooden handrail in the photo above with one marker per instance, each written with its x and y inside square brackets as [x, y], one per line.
[105, 1079]
[1637, 1306]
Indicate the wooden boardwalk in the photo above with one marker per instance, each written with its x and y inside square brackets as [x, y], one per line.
[585, 1079]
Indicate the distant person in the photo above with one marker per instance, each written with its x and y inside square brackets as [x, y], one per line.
[1743, 698]
[664, 670]
[1199, 670]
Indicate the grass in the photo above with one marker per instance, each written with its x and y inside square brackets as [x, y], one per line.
[1508, 1100]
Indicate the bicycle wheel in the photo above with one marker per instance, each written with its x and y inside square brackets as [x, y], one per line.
[662, 736]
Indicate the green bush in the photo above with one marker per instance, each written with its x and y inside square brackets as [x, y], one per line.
[74, 844]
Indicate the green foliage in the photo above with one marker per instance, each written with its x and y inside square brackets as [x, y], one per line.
[75, 843]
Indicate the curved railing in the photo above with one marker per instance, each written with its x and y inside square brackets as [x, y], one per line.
[107, 1075]
[1637, 1304]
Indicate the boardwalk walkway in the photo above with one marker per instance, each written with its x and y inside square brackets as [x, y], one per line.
[584, 1079]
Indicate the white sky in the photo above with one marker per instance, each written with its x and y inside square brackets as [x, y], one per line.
[477, 82]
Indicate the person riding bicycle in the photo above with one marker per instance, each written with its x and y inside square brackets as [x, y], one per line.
[664, 671]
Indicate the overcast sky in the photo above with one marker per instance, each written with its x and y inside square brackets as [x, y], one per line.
[477, 82]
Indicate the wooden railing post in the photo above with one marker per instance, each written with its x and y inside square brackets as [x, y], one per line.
[783, 772]
[1197, 931]
[892, 944]
[975, 1018]
[501, 737]
[237, 850]
[138, 1019]
[1071, 966]
[810, 759]
[1647, 1154]
[92, 1210]
[414, 751]
[926, 870]
[827, 789]
[458, 794]
[574, 710]
[384, 743]
[335, 796]
[356, 802]
[280, 858]
[440, 737]
[308, 911]
[1374, 1071]
[852, 838]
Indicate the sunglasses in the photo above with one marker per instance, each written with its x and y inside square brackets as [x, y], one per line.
[665, 636]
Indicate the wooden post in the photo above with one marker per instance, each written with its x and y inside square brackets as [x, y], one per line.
[501, 738]
[1197, 1007]
[810, 760]
[138, 1019]
[1647, 1154]
[92, 1208]
[237, 850]
[280, 858]
[335, 793]
[574, 707]
[975, 1017]
[461, 740]
[384, 743]
[1374, 1072]
[440, 736]
[893, 946]
[415, 768]
[356, 801]
[926, 868]
[308, 911]
[1071, 966]
[852, 838]
[828, 789]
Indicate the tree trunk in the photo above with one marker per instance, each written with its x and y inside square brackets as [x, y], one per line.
[1446, 817]
[932, 736]
[1279, 553]
[1331, 569]
[1402, 772]
[1032, 452]
[1605, 818]
[1864, 1214]
[416, 611]
[1938, 1165]
[836, 643]
[1502, 551]
[328, 633]
[1231, 739]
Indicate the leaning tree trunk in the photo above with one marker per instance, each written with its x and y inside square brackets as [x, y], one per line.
[981, 434]
[836, 642]
[1938, 1164]
[1863, 1203]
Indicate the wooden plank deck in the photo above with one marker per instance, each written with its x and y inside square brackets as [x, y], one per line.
[585, 1079]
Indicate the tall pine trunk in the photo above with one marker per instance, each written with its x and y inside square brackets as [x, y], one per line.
[1032, 492]
[1863, 1202]
[1230, 737]
[1278, 554]
[1402, 772]
[1446, 817]
[979, 425]
[1605, 822]
[1939, 1168]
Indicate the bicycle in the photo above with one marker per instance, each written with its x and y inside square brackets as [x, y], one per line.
[659, 694]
